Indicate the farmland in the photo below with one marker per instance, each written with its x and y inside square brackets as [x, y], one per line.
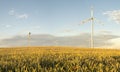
[59, 59]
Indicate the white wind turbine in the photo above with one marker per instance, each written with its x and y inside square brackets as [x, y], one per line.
[92, 19]
[29, 38]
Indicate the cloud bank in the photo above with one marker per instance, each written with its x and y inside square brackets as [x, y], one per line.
[82, 40]
[114, 15]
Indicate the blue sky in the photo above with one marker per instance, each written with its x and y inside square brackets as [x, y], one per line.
[57, 17]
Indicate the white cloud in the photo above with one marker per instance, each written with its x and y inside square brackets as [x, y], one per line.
[36, 27]
[116, 43]
[114, 15]
[12, 12]
[7, 26]
[22, 16]
[105, 32]
[67, 30]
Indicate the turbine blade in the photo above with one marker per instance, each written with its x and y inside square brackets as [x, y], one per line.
[98, 21]
[85, 21]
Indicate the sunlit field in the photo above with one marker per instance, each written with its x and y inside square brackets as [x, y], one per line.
[59, 59]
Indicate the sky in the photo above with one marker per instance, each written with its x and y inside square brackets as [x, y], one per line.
[60, 18]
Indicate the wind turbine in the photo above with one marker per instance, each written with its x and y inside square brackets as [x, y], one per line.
[29, 38]
[92, 19]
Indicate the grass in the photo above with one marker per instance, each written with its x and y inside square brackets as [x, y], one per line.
[59, 59]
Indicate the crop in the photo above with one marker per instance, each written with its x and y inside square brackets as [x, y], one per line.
[59, 59]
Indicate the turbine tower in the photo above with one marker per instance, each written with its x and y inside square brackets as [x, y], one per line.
[92, 25]
[29, 38]
[92, 19]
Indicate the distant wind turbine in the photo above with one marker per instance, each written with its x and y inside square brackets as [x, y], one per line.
[29, 38]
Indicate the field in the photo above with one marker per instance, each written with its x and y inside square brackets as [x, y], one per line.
[59, 59]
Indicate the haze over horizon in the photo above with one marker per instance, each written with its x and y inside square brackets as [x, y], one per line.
[59, 19]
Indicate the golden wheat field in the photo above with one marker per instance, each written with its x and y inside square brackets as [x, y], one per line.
[59, 59]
